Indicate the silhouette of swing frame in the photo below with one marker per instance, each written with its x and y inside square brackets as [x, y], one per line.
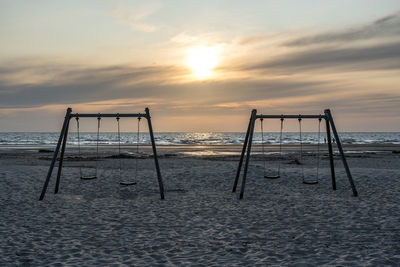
[62, 141]
[330, 125]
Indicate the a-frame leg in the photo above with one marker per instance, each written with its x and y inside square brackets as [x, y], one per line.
[246, 139]
[339, 145]
[60, 164]
[153, 144]
[246, 165]
[330, 149]
[63, 129]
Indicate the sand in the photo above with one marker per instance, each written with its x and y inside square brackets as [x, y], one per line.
[200, 222]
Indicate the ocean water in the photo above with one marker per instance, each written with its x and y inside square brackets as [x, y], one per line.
[87, 139]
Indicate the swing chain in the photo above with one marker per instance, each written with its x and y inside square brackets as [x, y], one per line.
[79, 144]
[301, 149]
[119, 146]
[318, 145]
[119, 136]
[97, 142]
[137, 147]
[262, 141]
[280, 146]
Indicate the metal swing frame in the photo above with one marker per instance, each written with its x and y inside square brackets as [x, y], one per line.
[62, 141]
[330, 126]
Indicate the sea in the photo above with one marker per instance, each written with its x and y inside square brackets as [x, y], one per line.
[184, 138]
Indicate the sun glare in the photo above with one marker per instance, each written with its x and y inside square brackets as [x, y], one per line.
[202, 60]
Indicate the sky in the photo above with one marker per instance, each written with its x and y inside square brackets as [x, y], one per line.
[280, 57]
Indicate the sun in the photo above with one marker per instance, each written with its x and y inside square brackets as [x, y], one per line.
[202, 60]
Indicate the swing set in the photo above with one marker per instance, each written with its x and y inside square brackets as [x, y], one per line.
[62, 141]
[277, 175]
[91, 177]
[330, 125]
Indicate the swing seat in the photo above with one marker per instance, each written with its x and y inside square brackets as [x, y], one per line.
[272, 176]
[88, 177]
[127, 183]
[311, 182]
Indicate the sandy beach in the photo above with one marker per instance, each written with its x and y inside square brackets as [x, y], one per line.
[200, 222]
[114, 83]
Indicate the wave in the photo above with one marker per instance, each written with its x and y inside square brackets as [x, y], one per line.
[7, 139]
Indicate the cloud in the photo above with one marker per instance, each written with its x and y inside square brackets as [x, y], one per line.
[375, 57]
[185, 38]
[210, 38]
[124, 88]
[301, 75]
[37, 84]
[135, 18]
[388, 26]
[56, 84]
[258, 39]
[373, 46]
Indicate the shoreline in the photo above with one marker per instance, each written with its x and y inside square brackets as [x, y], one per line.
[256, 148]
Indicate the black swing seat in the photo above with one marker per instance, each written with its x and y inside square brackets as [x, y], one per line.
[272, 176]
[88, 177]
[127, 183]
[311, 182]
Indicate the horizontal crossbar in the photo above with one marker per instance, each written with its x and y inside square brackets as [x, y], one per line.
[108, 115]
[290, 116]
